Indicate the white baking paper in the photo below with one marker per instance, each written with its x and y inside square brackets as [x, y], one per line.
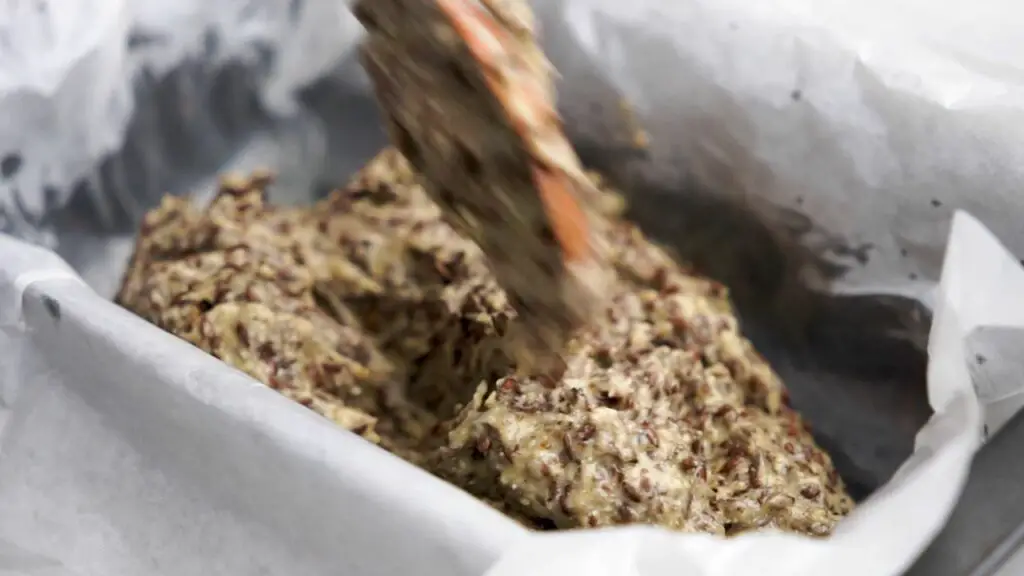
[856, 130]
[69, 69]
[64, 95]
[310, 37]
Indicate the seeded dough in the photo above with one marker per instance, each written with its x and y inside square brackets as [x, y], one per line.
[371, 310]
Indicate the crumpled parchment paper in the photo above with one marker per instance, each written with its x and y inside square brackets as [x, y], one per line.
[800, 150]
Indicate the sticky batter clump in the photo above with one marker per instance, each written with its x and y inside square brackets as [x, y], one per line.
[371, 310]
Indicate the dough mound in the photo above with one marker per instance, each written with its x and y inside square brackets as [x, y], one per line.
[373, 311]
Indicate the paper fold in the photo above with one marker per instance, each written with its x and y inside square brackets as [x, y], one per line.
[23, 266]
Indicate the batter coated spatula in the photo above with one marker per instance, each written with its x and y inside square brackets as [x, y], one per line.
[467, 98]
